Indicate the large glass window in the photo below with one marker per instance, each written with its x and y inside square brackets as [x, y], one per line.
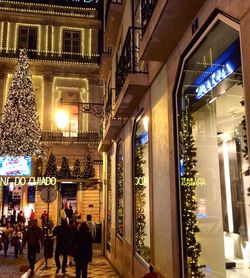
[141, 189]
[71, 41]
[109, 203]
[213, 171]
[119, 190]
[28, 38]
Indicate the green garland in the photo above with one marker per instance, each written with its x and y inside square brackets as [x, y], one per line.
[189, 204]
[140, 196]
[120, 197]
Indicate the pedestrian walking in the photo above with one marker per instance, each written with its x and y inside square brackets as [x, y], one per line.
[92, 226]
[16, 240]
[32, 215]
[33, 236]
[83, 252]
[6, 237]
[63, 242]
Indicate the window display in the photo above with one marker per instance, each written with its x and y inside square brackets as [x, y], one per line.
[212, 168]
[109, 202]
[119, 191]
[141, 189]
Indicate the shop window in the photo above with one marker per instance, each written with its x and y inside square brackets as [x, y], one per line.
[213, 171]
[109, 202]
[119, 190]
[28, 38]
[141, 190]
[71, 41]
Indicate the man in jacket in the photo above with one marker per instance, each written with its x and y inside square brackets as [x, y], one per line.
[63, 243]
[33, 236]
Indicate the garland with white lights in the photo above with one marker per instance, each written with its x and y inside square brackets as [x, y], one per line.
[189, 203]
[140, 199]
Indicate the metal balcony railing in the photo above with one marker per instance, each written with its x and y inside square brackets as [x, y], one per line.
[86, 8]
[77, 137]
[118, 2]
[147, 8]
[129, 61]
[53, 56]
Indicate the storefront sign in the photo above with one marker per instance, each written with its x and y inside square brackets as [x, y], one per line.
[193, 181]
[24, 180]
[139, 181]
[213, 80]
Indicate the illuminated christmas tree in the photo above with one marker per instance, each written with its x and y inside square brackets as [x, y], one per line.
[64, 172]
[189, 203]
[20, 131]
[76, 169]
[51, 169]
[89, 170]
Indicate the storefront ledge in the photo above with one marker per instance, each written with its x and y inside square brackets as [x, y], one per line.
[113, 128]
[133, 90]
[113, 19]
[104, 146]
[158, 41]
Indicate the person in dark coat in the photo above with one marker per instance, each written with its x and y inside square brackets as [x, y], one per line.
[83, 252]
[63, 242]
[33, 236]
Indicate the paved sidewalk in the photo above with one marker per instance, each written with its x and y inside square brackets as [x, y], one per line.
[99, 267]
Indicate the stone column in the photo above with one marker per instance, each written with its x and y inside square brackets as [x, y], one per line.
[48, 93]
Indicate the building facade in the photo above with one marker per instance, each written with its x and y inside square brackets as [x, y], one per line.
[175, 137]
[62, 42]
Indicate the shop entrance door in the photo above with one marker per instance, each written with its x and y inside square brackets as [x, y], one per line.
[68, 196]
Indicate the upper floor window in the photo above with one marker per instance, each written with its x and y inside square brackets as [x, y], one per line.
[71, 41]
[28, 38]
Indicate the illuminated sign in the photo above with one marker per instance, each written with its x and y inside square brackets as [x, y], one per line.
[193, 182]
[31, 180]
[214, 79]
[15, 166]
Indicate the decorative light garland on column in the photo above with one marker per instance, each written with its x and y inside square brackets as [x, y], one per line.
[189, 203]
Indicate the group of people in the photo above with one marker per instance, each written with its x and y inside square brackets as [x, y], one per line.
[12, 235]
[74, 240]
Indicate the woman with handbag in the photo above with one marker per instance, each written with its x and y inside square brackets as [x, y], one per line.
[83, 252]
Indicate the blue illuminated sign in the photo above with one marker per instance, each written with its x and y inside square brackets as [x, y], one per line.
[214, 79]
[219, 70]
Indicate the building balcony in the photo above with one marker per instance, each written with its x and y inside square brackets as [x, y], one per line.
[164, 24]
[114, 11]
[57, 7]
[105, 62]
[131, 76]
[111, 125]
[56, 57]
[147, 8]
[67, 137]
[83, 8]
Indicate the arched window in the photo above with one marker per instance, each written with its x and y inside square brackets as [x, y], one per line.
[212, 166]
[141, 192]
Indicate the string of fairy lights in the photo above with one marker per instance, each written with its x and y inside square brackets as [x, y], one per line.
[43, 39]
[38, 8]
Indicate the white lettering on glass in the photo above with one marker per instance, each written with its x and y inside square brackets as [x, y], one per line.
[213, 80]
